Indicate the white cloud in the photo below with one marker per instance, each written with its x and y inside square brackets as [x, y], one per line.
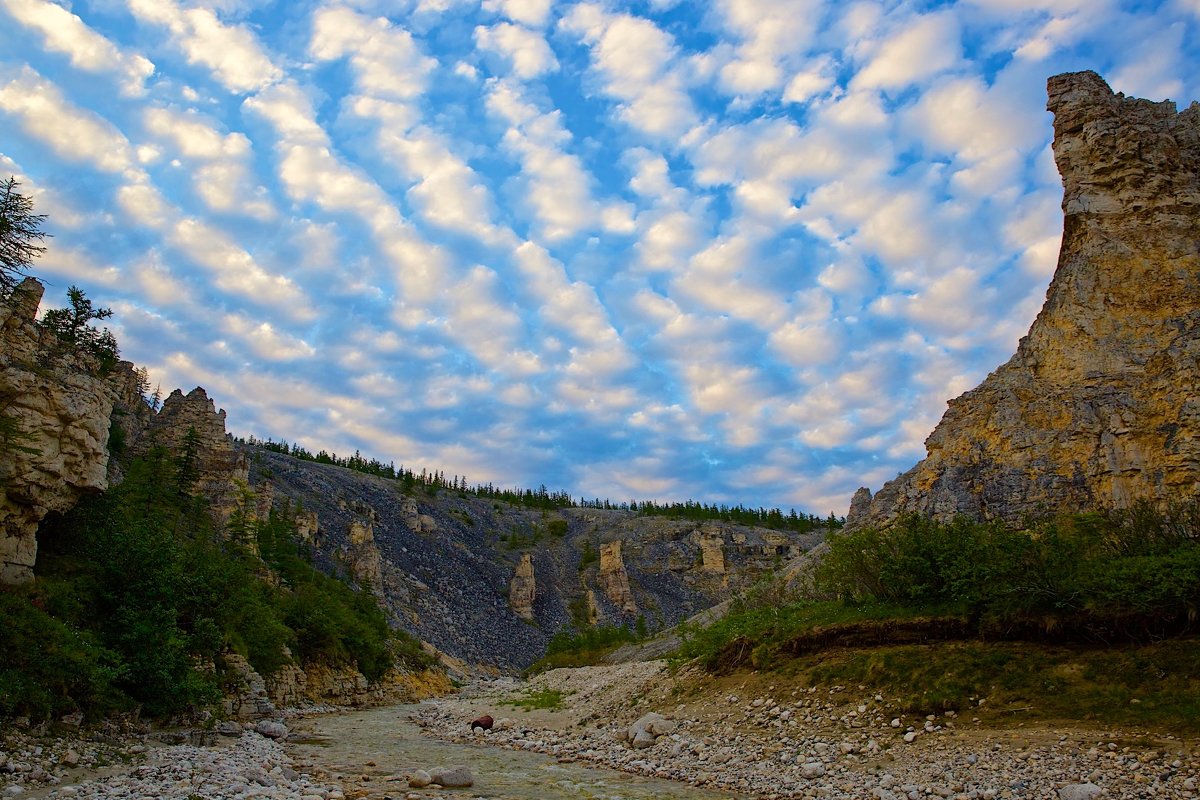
[526, 50]
[264, 340]
[64, 32]
[813, 79]
[806, 346]
[638, 63]
[1148, 66]
[73, 265]
[231, 52]
[772, 33]
[559, 192]
[222, 179]
[533, 13]
[387, 61]
[929, 44]
[235, 270]
[71, 132]
[311, 172]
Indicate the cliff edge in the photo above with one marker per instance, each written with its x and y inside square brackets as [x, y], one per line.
[1100, 404]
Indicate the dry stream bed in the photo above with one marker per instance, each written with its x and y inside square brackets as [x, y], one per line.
[740, 736]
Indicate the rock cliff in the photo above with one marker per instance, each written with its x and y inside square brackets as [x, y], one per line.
[55, 446]
[488, 583]
[522, 589]
[614, 580]
[1099, 405]
[191, 427]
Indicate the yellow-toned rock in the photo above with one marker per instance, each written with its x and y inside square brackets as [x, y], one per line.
[614, 579]
[523, 588]
[1099, 406]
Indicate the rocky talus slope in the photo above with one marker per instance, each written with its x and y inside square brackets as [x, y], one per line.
[1099, 405]
[489, 583]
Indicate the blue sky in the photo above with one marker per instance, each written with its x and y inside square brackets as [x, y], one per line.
[743, 250]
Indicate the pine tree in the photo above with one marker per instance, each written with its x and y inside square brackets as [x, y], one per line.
[20, 231]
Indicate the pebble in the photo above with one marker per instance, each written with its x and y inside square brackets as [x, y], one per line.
[250, 766]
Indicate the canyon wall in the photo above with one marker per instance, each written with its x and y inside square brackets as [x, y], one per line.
[1099, 406]
[55, 444]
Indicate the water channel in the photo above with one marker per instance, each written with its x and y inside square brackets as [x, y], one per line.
[346, 743]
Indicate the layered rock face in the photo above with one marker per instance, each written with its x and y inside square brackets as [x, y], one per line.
[59, 450]
[1099, 406]
[614, 579]
[522, 589]
[192, 425]
[488, 584]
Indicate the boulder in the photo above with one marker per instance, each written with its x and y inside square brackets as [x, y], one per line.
[419, 779]
[648, 728]
[271, 729]
[456, 777]
[1079, 791]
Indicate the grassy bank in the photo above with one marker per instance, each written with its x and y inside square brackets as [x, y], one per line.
[1154, 686]
[1088, 618]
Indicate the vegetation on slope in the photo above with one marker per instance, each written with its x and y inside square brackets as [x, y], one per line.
[541, 498]
[1064, 619]
[137, 598]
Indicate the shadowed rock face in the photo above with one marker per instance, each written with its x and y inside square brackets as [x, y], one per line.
[1099, 406]
[61, 413]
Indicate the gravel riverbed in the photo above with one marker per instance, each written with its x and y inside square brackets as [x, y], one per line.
[746, 736]
[241, 764]
[760, 739]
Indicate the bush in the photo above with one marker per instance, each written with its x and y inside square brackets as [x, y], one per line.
[1135, 572]
[135, 594]
[49, 668]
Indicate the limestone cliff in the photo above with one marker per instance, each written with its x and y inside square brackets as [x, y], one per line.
[57, 450]
[614, 579]
[1099, 405]
[363, 555]
[523, 588]
[192, 428]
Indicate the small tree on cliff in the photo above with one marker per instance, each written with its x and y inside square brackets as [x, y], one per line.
[71, 329]
[20, 232]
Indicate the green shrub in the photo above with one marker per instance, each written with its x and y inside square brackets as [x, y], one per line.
[135, 593]
[1135, 571]
[49, 668]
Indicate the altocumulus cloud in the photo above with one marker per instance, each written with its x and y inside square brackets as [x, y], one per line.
[739, 253]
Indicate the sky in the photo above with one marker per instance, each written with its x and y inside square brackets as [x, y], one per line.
[732, 251]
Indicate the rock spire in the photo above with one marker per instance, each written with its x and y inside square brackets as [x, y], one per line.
[1100, 404]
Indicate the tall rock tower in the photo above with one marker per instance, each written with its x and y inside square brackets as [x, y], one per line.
[1100, 405]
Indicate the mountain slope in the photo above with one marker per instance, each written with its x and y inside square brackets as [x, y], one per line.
[443, 563]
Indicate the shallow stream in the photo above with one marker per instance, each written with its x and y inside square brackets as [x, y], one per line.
[343, 744]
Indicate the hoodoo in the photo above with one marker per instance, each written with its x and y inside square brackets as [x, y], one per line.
[1098, 407]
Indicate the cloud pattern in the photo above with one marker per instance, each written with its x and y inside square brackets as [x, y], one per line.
[737, 252]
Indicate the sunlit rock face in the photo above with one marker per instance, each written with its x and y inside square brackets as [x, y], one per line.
[1100, 404]
[522, 589]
